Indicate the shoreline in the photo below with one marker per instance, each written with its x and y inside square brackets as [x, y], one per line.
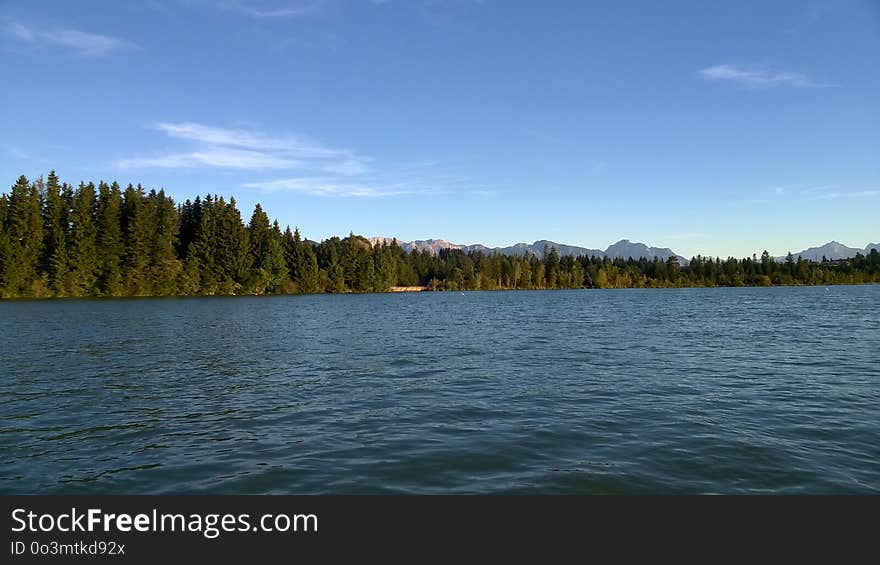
[394, 292]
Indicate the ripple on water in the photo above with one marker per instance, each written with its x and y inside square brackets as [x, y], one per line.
[632, 391]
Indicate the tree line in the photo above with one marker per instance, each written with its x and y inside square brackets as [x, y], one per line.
[57, 240]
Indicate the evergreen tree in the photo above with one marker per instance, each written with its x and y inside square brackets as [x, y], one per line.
[165, 268]
[258, 234]
[190, 220]
[274, 264]
[221, 249]
[301, 261]
[55, 214]
[551, 268]
[136, 225]
[83, 257]
[110, 246]
[384, 268]
[24, 239]
[263, 259]
[672, 269]
[201, 253]
[4, 244]
[233, 249]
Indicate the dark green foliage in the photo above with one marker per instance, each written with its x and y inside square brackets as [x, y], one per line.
[136, 223]
[4, 243]
[190, 219]
[165, 267]
[23, 240]
[302, 263]
[56, 210]
[109, 243]
[269, 267]
[55, 241]
[220, 252]
[82, 252]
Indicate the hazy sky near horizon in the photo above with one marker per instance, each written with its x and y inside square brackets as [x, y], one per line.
[721, 128]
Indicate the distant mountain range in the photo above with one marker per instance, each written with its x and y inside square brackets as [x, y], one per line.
[832, 250]
[623, 248]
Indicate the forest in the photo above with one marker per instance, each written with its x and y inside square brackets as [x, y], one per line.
[57, 240]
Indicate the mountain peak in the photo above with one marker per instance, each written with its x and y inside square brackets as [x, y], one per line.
[623, 249]
[832, 251]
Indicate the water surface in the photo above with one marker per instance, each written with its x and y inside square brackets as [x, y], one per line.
[749, 390]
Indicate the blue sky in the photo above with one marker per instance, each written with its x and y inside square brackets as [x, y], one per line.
[720, 128]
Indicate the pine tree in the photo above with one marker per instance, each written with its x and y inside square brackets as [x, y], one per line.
[110, 246]
[672, 269]
[137, 221]
[308, 268]
[258, 234]
[234, 247]
[4, 242]
[24, 229]
[190, 219]
[365, 273]
[165, 268]
[55, 213]
[551, 267]
[203, 249]
[83, 257]
[288, 243]
[259, 238]
[221, 249]
[385, 268]
[302, 262]
[274, 264]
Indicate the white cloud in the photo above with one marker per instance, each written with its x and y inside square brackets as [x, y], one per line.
[754, 76]
[856, 194]
[391, 183]
[74, 40]
[16, 152]
[226, 148]
[807, 193]
[225, 158]
[270, 10]
[820, 188]
[331, 187]
[310, 167]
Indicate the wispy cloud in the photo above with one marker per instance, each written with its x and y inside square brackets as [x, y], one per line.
[806, 193]
[756, 76]
[815, 189]
[219, 157]
[827, 192]
[14, 152]
[317, 186]
[854, 194]
[384, 184]
[74, 40]
[226, 148]
[309, 167]
[270, 10]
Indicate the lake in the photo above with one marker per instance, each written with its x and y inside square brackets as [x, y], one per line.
[728, 390]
